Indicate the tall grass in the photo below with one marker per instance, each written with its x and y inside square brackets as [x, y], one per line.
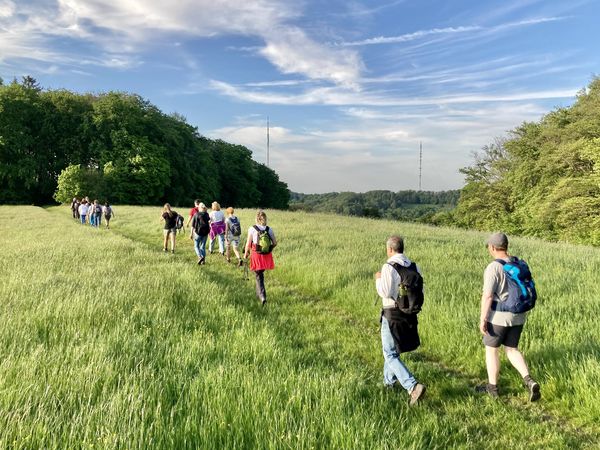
[107, 342]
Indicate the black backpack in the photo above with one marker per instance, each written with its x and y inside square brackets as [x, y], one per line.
[179, 222]
[410, 292]
[200, 224]
[235, 227]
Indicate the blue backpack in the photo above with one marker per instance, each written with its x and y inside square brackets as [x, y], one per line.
[522, 295]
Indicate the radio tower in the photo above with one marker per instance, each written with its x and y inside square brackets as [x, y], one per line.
[268, 143]
[420, 162]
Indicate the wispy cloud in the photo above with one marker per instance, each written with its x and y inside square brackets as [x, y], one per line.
[448, 31]
[340, 96]
[128, 26]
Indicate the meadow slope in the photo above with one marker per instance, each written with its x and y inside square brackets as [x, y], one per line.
[106, 342]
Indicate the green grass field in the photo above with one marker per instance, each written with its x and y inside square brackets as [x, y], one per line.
[107, 342]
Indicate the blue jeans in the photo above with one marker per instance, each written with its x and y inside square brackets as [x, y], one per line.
[393, 369]
[82, 217]
[93, 219]
[98, 219]
[221, 238]
[200, 245]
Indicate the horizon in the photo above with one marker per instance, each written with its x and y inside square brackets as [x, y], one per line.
[350, 88]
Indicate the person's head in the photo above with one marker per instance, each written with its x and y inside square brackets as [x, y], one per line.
[201, 206]
[95, 202]
[167, 208]
[394, 244]
[497, 243]
[106, 204]
[229, 211]
[215, 206]
[74, 199]
[261, 218]
[197, 203]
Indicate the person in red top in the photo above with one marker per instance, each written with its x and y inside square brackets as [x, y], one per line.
[261, 259]
[198, 205]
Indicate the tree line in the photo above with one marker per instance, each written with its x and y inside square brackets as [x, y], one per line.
[116, 146]
[542, 180]
[407, 205]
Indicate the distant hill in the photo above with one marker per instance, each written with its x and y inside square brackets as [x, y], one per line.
[417, 206]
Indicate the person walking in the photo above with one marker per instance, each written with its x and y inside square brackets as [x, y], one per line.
[169, 216]
[109, 213]
[97, 213]
[500, 327]
[74, 207]
[233, 232]
[199, 230]
[260, 242]
[83, 210]
[217, 228]
[193, 211]
[400, 285]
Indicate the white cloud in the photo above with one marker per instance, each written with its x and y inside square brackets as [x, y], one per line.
[129, 26]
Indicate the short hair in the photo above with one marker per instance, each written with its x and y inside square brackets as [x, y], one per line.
[215, 206]
[197, 202]
[229, 210]
[396, 243]
[261, 218]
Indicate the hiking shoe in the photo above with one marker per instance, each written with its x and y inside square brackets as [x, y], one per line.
[165, 250]
[263, 300]
[201, 262]
[417, 392]
[173, 251]
[534, 389]
[487, 388]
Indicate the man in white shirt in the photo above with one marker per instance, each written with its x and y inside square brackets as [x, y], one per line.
[398, 329]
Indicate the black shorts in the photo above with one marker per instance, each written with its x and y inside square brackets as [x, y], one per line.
[497, 335]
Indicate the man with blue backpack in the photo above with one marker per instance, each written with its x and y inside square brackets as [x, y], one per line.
[508, 294]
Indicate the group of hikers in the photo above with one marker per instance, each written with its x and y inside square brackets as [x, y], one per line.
[91, 212]
[508, 288]
[227, 231]
[508, 294]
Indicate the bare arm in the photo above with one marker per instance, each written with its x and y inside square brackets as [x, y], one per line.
[486, 306]
[248, 243]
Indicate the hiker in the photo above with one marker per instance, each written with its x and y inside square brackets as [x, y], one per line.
[109, 213]
[169, 217]
[199, 230]
[97, 213]
[498, 325]
[193, 211]
[261, 240]
[233, 232]
[217, 228]
[74, 207]
[83, 210]
[400, 286]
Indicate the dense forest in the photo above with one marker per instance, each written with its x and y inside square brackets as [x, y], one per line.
[419, 206]
[56, 144]
[542, 180]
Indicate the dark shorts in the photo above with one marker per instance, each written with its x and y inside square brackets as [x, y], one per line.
[507, 336]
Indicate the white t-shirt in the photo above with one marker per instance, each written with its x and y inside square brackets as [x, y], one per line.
[83, 209]
[254, 234]
[217, 216]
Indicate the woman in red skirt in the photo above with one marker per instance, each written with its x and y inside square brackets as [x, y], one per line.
[261, 240]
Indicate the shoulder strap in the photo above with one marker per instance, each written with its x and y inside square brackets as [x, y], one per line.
[501, 261]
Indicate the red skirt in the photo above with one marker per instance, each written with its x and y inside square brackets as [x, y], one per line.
[258, 261]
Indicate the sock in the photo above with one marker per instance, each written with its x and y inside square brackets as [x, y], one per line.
[527, 379]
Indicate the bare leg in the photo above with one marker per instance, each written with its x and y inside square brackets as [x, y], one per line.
[517, 360]
[492, 362]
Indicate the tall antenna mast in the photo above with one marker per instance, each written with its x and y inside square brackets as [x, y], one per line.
[420, 162]
[268, 143]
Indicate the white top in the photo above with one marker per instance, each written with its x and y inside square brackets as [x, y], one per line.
[83, 209]
[217, 216]
[387, 285]
[107, 209]
[254, 234]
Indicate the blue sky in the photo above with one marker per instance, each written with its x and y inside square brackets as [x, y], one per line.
[350, 87]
